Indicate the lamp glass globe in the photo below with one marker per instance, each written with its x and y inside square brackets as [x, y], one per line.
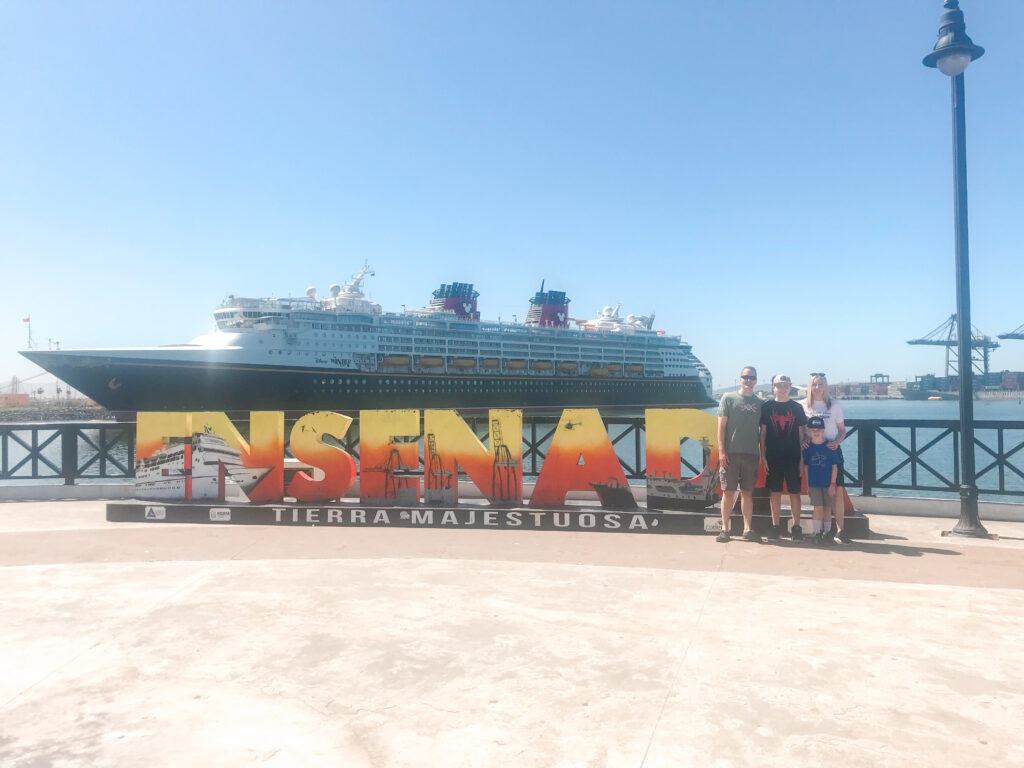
[953, 64]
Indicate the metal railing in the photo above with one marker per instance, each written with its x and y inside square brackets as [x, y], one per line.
[880, 454]
[71, 451]
[924, 455]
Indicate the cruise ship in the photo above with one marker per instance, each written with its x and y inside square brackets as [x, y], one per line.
[343, 353]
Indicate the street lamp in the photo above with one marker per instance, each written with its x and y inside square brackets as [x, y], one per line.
[951, 55]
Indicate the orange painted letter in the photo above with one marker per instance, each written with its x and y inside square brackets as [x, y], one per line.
[580, 453]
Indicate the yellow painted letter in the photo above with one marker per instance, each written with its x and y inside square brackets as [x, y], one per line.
[308, 445]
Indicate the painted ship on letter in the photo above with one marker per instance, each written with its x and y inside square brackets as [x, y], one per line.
[200, 467]
[344, 353]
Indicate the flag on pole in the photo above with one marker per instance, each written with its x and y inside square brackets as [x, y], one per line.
[27, 319]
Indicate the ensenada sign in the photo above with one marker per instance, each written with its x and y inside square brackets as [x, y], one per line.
[200, 456]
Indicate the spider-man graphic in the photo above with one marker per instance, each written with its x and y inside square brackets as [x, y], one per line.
[783, 422]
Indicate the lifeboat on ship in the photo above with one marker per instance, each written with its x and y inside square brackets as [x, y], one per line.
[430, 362]
[567, 367]
[515, 365]
[489, 362]
[464, 362]
[634, 368]
[395, 360]
[542, 365]
[614, 367]
[600, 371]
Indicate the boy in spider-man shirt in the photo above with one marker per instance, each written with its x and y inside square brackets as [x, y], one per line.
[782, 434]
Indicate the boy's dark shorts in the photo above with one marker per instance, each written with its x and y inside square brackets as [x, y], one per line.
[783, 470]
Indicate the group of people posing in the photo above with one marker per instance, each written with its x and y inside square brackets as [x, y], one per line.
[797, 441]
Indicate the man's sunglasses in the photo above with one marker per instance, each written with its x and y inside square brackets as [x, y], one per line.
[749, 378]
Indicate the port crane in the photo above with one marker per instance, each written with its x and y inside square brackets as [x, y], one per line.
[394, 472]
[504, 469]
[1017, 333]
[946, 336]
[437, 477]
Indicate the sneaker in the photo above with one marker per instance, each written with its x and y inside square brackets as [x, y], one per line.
[844, 537]
[723, 536]
[830, 534]
[797, 533]
[773, 533]
[827, 539]
[751, 536]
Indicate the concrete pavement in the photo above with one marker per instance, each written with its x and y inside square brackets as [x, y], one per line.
[125, 644]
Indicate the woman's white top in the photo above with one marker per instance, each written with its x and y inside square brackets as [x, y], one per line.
[832, 417]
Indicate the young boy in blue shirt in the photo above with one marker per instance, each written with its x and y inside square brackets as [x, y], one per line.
[820, 467]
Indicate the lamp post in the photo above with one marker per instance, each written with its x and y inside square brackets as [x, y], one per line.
[951, 55]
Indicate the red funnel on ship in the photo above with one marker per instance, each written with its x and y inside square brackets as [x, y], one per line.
[549, 309]
[458, 298]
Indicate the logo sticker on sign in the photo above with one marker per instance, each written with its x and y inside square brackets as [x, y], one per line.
[220, 514]
[156, 513]
[712, 524]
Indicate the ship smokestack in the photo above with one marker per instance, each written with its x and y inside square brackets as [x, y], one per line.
[458, 298]
[549, 309]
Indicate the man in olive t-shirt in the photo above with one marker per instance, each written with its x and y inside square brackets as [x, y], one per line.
[739, 452]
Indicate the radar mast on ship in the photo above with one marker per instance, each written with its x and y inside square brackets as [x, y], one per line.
[350, 298]
[354, 288]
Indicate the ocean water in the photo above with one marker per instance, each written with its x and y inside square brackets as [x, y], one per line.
[984, 410]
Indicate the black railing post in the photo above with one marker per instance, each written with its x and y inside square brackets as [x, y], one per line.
[636, 432]
[866, 457]
[69, 453]
[1002, 460]
[102, 450]
[533, 450]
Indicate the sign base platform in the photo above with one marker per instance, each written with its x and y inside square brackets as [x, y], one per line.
[349, 515]
[357, 516]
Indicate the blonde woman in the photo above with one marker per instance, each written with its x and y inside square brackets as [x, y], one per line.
[818, 403]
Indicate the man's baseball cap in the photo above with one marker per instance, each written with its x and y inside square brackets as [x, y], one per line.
[815, 422]
[780, 379]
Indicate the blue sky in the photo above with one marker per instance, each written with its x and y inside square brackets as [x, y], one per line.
[774, 180]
